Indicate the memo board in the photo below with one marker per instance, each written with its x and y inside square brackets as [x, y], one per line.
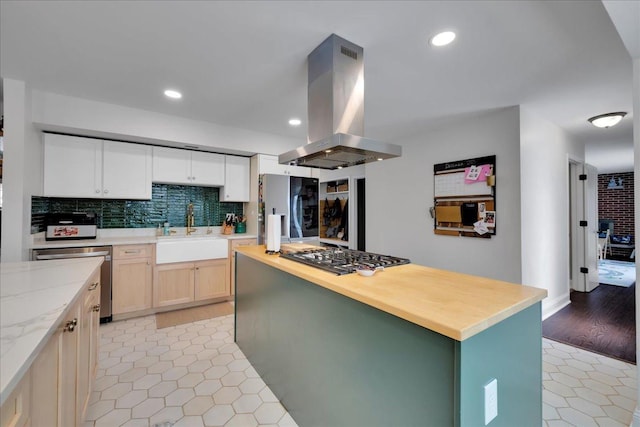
[465, 197]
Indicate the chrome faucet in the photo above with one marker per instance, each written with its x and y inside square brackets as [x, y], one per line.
[190, 220]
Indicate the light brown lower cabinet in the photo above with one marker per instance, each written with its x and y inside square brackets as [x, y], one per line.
[185, 282]
[132, 278]
[56, 388]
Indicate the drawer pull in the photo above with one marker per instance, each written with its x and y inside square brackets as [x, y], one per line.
[137, 251]
[96, 308]
[93, 286]
[70, 326]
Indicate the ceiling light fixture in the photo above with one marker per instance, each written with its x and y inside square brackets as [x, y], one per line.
[174, 94]
[607, 120]
[295, 122]
[443, 38]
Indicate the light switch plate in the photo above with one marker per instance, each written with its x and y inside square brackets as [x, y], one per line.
[490, 401]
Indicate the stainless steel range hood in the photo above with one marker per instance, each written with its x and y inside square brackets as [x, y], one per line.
[336, 111]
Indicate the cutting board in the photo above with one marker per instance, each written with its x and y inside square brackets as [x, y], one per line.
[287, 248]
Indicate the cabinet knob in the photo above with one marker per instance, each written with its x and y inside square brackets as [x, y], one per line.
[97, 191]
[96, 308]
[93, 286]
[106, 191]
[193, 178]
[70, 326]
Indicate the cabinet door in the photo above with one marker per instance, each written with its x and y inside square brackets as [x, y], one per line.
[132, 285]
[173, 284]
[16, 410]
[236, 180]
[72, 166]
[269, 164]
[45, 371]
[234, 243]
[126, 171]
[94, 343]
[207, 169]
[171, 165]
[211, 279]
[84, 355]
[68, 369]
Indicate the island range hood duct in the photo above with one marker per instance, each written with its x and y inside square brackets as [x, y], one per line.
[336, 111]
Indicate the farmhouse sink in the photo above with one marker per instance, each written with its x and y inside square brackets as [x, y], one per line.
[190, 248]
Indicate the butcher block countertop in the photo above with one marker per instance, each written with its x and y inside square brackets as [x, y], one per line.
[456, 305]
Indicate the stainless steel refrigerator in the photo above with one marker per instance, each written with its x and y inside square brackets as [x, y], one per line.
[296, 200]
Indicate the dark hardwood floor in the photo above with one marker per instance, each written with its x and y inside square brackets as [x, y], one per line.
[602, 321]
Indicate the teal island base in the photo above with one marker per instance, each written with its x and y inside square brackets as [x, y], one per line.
[334, 361]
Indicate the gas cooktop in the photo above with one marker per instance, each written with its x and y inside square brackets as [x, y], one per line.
[343, 261]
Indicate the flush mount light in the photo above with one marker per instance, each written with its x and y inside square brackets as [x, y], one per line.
[607, 120]
[295, 122]
[443, 38]
[174, 94]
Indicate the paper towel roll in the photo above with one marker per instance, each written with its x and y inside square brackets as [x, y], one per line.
[273, 233]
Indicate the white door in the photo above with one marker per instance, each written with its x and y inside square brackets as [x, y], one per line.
[591, 230]
[236, 181]
[126, 171]
[207, 169]
[72, 166]
[171, 165]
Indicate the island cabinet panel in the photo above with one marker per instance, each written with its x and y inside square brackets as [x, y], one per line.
[17, 408]
[45, 372]
[234, 243]
[333, 360]
[132, 278]
[68, 369]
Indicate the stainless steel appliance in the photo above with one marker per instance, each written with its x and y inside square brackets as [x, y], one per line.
[336, 111]
[85, 252]
[343, 261]
[296, 199]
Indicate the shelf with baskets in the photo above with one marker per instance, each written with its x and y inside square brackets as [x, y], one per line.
[334, 212]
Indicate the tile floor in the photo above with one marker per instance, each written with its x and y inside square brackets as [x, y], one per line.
[194, 375]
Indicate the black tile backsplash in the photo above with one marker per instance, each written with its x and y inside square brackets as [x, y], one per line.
[168, 203]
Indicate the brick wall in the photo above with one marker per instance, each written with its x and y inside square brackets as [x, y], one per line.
[617, 204]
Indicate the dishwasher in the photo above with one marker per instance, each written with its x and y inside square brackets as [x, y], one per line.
[85, 252]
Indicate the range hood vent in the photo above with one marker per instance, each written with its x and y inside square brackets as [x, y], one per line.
[336, 111]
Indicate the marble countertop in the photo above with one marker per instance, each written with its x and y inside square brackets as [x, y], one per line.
[456, 305]
[34, 298]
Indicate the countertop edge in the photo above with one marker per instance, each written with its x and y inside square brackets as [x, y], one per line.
[53, 327]
[536, 296]
[123, 240]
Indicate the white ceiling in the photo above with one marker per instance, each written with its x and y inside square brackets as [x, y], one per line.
[243, 64]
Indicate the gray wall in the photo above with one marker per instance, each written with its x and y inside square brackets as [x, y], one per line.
[400, 192]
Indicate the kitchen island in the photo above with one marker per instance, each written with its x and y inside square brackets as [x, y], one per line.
[408, 346]
[37, 300]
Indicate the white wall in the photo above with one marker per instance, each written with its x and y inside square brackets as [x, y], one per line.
[545, 207]
[636, 195]
[400, 192]
[92, 118]
[22, 171]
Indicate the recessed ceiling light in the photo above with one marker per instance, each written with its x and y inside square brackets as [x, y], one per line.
[170, 93]
[295, 122]
[607, 120]
[443, 38]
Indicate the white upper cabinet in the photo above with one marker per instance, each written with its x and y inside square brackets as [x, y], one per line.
[92, 168]
[207, 169]
[236, 187]
[171, 165]
[126, 170]
[269, 164]
[176, 166]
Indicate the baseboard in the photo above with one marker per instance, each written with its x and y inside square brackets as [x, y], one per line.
[552, 306]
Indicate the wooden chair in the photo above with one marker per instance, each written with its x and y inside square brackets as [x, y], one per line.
[604, 245]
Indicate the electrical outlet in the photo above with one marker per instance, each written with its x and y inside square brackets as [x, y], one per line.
[490, 401]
